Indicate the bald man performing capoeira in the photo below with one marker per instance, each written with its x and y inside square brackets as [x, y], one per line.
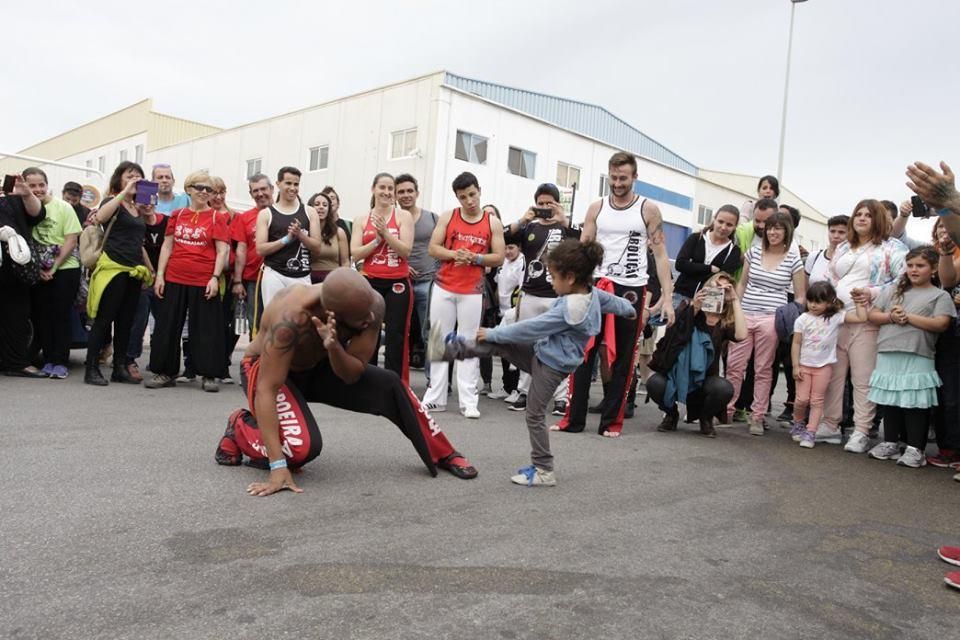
[314, 345]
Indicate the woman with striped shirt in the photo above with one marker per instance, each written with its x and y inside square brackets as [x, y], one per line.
[768, 271]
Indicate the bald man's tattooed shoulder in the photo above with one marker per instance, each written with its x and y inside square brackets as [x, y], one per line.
[290, 331]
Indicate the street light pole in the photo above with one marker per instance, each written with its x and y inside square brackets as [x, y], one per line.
[786, 90]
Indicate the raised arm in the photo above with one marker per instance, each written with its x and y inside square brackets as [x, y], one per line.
[939, 191]
[402, 243]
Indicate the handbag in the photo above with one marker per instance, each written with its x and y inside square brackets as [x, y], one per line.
[29, 272]
[91, 242]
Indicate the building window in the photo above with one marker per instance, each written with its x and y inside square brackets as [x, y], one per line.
[138, 152]
[522, 163]
[604, 186]
[102, 164]
[403, 143]
[123, 155]
[704, 215]
[471, 148]
[567, 175]
[319, 157]
[253, 167]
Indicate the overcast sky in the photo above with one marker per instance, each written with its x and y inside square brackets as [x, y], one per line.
[703, 77]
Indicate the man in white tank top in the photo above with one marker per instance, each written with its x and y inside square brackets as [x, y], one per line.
[625, 225]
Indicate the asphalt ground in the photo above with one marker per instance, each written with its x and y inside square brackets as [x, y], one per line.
[116, 523]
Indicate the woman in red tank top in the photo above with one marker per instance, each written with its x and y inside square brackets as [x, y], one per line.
[383, 243]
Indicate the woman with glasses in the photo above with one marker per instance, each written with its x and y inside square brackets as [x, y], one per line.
[193, 257]
[118, 275]
[334, 246]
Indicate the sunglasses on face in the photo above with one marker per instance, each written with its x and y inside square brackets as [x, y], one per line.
[202, 187]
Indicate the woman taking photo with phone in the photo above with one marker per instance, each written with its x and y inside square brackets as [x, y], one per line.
[119, 273]
[768, 271]
[706, 253]
[382, 240]
[194, 255]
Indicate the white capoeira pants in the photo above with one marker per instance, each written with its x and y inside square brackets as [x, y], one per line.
[448, 310]
[271, 283]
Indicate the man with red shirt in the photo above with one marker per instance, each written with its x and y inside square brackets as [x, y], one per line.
[465, 241]
[244, 231]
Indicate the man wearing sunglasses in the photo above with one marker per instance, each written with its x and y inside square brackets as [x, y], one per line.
[315, 345]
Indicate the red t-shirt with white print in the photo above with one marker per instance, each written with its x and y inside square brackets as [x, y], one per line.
[194, 252]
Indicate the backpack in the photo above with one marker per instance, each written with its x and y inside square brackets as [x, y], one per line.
[92, 240]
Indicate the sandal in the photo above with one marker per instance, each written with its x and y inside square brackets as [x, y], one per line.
[459, 466]
[611, 434]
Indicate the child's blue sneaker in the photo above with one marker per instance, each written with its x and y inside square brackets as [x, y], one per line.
[534, 477]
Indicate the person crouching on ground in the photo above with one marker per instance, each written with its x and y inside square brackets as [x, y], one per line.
[549, 347]
[687, 360]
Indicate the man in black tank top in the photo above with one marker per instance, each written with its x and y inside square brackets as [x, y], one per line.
[286, 234]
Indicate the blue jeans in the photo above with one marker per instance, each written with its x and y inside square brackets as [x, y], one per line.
[148, 304]
[421, 302]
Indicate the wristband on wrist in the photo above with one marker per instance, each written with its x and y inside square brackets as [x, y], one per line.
[478, 260]
[944, 212]
[278, 464]
[285, 240]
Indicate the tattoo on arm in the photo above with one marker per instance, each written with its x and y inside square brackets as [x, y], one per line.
[289, 331]
[656, 235]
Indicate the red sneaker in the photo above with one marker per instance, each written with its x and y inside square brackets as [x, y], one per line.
[944, 459]
[228, 453]
[459, 466]
[950, 554]
[952, 579]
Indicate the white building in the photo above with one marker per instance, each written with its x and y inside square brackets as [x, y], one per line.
[435, 127]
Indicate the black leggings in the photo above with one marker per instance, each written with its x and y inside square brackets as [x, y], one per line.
[14, 320]
[118, 306]
[709, 401]
[52, 301]
[205, 326]
[398, 296]
[906, 425]
[626, 333]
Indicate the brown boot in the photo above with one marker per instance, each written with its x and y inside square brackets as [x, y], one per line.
[706, 428]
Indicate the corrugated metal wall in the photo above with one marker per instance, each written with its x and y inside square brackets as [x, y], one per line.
[587, 119]
[166, 130]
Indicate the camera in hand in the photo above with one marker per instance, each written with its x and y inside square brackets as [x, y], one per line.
[8, 183]
[544, 213]
[146, 192]
[920, 208]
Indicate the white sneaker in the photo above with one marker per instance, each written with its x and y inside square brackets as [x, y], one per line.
[534, 477]
[912, 457]
[435, 408]
[827, 435]
[756, 426]
[858, 443]
[497, 395]
[885, 451]
[470, 412]
[513, 397]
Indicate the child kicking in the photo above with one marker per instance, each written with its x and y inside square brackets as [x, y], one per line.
[549, 347]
